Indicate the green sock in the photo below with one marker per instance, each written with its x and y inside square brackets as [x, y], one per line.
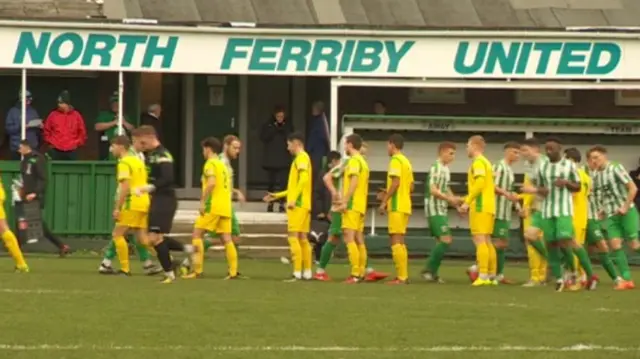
[110, 251]
[500, 255]
[554, 262]
[622, 263]
[567, 253]
[143, 253]
[608, 266]
[540, 248]
[326, 253]
[434, 262]
[584, 260]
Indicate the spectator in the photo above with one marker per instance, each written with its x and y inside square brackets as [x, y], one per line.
[64, 130]
[379, 108]
[13, 126]
[277, 159]
[317, 144]
[107, 127]
[152, 118]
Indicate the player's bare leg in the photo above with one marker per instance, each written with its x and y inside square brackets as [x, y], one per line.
[11, 243]
[400, 258]
[353, 252]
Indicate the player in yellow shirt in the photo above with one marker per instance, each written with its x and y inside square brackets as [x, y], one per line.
[353, 206]
[130, 210]
[396, 201]
[581, 261]
[9, 238]
[480, 203]
[298, 195]
[215, 209]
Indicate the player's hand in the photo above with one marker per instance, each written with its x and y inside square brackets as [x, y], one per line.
[561, 182]
[513, 197]
[456, 201]
[463, 208]
[542, 191]
[291, 205]
[382, 209]
[202, 208]
[381, 194]
[116, 214]
[339, 207]
[600, 214]
[138, 191]
[240, 196]
[270, 197]
[623, 209]
[528, 188]
[30, 197]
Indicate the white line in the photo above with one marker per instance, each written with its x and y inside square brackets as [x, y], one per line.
[42, 291]
[296, 348]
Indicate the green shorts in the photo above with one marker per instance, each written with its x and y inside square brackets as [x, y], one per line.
[439, 226]
[335, 229]
[501, 229]
[235, 225]
[623, 226]
[594, 232]
[558, 228]
[536, 220]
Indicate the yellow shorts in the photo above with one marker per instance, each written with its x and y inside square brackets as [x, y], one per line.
[481, 223]
[398, 223]
[580, 233]
[132, 219]
[213, 223]
[298, 220]
[353, 220]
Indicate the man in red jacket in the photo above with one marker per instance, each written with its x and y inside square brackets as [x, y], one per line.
[64, 130]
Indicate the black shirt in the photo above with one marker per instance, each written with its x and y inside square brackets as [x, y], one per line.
[33, 169]
[160, 168]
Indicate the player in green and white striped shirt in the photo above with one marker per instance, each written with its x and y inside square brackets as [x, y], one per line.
[504, 179]
[555, 181]
[437, 198]
[616, 192]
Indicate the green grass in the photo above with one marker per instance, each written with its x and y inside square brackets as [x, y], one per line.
[64, 309]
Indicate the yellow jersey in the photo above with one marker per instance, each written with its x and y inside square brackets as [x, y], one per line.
[485, 200]
[299, 185]
[400, 167]
[356, 166]
[580, 200]
[3, 195]
[132, 169]
[219, 200]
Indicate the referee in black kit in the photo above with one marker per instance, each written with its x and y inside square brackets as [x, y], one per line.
[33, 169]
[163, 198]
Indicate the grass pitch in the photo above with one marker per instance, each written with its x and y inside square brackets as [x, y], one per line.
[64, 309]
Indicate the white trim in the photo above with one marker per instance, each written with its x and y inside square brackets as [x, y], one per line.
[51, 73]
[488, 84]
[243, 118]
[323, 32]
[23, 104]
[551, 97]
[333, 115]
[188, 88]
[621, 100]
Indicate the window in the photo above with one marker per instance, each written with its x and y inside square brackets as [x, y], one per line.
[627, 97]
[437, 95]
[560, 97]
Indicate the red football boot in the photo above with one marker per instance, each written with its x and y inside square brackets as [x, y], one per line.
[375, 276]
[473, 275]
[323, 277]
[352, 280]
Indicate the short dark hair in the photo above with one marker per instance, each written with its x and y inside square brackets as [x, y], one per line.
[397, 140]
[531, 142]
[355, 140]
[144, 130]
[598, 148]
[573, 154]
[511, 144]
[229, 139]
[446, 145]
[553, 140]
[295, 136]
[25, 143]
[278, 109]
[333, 156]
[121, 140]
[212, 143]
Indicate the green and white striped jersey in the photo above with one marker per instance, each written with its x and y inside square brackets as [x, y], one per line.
[611, 183]
[503, 178]
[594, 200]
[227, 164]
[337, 172]
[440, 177]
[559, 200]
[531, 170]
[133, 152]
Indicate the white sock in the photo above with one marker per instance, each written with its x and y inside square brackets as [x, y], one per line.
[147, 263]
[500, 277]
[369, 270]
[186, 262]
[319, 270]
[106, 262]
[170, 274]
[307, 274]
[297, 275]
[483, 276]
[473, 268]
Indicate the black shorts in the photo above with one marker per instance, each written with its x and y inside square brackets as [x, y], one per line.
[161, 213]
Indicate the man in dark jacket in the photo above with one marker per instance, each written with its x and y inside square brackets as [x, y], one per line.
[317, 145]
[33, 169]
[152, 118]
[13, 125]
[277, 159]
